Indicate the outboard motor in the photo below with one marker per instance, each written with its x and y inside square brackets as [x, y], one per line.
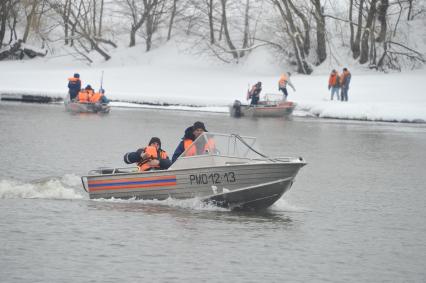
[236, 109]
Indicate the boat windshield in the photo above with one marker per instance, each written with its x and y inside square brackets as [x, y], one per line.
[231, 145]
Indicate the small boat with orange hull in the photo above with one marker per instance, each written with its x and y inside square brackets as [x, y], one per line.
[228, 173]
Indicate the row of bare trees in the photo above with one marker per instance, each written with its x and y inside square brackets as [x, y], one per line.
[302, 32]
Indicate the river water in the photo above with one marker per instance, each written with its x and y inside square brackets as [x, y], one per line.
[356, 212]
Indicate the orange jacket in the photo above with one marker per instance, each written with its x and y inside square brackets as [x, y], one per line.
[153, 153]
[333, 80]
[96, 97]
[283, 81]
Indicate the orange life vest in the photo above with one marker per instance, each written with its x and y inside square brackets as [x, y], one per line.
[152, 154]
[96, 97]
[332, 81]
[283, 81]
[83, 96]
[73, 79]
[193, 151]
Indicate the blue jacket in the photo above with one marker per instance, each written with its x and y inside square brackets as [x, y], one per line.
[74, 88]
[180, 148]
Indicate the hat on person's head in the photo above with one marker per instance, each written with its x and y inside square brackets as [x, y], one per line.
[199, 125]
[76, 75]
[89, 87]
[155, 139]
[259, 84]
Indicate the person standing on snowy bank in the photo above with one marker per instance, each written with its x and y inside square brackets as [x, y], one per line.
[282, 84]
[334, 84]
[345, 80]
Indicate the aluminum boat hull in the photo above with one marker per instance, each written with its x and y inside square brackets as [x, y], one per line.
[76, 107]
[245, 186]
[283, 109]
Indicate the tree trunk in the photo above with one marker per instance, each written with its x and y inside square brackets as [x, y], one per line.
[366, 34]
[351, 24]
[211, 21]
[101, 16]
[172, 18]
[381, 16]
[246, 28]
[356, 46]
[306, 39]
[302, 66]
[4, 14]
[30, 18]
[226, 31]
[410, 10]
[320, 21]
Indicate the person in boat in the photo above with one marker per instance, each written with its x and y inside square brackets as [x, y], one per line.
[334, 84]
[85, 95]
[74, 86]
[191, 134]
[254, 93]
[283, 82]
[151, 157]
[99, 97]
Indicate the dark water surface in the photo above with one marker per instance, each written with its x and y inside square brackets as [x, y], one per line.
[356, 212]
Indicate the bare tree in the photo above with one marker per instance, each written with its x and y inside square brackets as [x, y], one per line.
[172, 18]
[368, 29]
[320, 23]
[294, 35]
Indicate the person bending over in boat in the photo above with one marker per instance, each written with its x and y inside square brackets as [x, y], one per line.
[254, 93]
[99, 97]
[151, 157]
[74, 86]
[85, 95]
[191, 134]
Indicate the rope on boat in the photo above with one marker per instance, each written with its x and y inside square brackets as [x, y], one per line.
[246, 144]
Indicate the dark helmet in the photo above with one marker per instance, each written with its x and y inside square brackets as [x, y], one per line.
[88, 87]
[155, 139]
[259, 84]
[76, 75]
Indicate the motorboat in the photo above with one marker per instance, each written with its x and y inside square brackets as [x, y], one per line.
[265, 108]
[86, 107]
[227, 171]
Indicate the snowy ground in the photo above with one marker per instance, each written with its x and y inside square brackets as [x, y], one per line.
[167, 75]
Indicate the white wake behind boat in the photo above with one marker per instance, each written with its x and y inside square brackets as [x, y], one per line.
[227, 172]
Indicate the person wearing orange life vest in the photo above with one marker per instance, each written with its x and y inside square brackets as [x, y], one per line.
[191, 134]
[151, 157]
[84, 96]
[283, 82]
[99, 97]
[334, 84]
[74, 86]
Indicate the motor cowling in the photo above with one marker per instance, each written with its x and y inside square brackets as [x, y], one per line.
[236, 109]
